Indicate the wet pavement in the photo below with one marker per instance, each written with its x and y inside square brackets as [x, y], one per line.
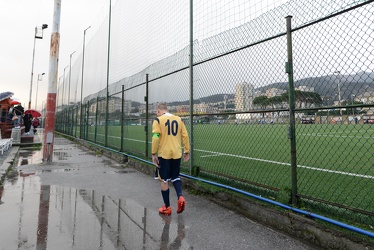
[86, 201]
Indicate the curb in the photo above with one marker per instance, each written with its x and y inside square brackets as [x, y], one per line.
[8, 162]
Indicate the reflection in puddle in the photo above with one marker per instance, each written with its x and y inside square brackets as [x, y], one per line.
[52, 217]
[61, 155]
[120, 172]
[57, 170]
[24, 162]
[1, 194]
[30, 156]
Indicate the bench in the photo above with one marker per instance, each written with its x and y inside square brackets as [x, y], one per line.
[5, 144]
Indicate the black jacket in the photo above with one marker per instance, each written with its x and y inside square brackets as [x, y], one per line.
[27, 119]
[19, 110]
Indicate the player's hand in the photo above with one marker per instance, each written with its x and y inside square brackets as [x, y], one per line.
[155, 160]
[186, 156]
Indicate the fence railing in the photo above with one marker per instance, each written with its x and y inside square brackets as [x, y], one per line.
[279, 106]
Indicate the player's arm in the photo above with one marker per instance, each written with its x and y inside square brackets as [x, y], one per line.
[185, 138]
[155, 141]
[156, 132]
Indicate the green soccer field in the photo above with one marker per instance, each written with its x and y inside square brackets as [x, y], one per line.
[335, 162]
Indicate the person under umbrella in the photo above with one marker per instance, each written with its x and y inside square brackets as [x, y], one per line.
[10, 114]
[35, 124]
[18, 110]
[27, 120]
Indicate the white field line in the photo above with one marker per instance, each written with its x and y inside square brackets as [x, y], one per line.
[288, 164]
[128, 139]
[338, 136]
[213, 154]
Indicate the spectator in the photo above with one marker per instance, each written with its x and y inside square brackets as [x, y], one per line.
[27, 120]
[18, 110]
[35, 124]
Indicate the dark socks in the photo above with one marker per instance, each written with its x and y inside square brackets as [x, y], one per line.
[178, 187]
[165, 197]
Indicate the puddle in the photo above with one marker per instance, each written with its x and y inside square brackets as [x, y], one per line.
[37, 216]
[30, 156]
[120, 172]
[56, 170]
[61, 155]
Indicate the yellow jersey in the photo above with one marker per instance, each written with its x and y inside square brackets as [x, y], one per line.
[172, 132]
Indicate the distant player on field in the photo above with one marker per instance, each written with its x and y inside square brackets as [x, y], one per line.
[169, 132]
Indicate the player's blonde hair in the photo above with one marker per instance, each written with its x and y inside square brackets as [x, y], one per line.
[162, 106]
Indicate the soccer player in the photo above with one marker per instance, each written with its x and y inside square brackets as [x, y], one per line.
[169, 132]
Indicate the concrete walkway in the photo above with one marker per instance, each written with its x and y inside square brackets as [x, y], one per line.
[87, 201]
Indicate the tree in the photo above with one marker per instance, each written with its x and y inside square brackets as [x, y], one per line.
[301, 97]
[275, 101]
[311, 98]
[262, 101]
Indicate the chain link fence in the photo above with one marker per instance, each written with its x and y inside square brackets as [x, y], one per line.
[278, 96]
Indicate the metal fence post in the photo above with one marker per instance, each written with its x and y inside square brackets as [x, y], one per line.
[66, 117]
[96, 113]
[146, 116]
[72, 120]
[192, 170]
[87, 119]
[107, 78]
[122, 115]
[76, 120]
[292, 128]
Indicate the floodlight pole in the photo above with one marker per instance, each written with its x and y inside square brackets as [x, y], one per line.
[62, 105]
[70, 128]
[107, 76]
[58, 92]
[63, 88]
[81, 113]
[40, 78]
[69, 79]
[44, 26]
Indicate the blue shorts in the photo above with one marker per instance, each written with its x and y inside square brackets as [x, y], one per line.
[169, 169]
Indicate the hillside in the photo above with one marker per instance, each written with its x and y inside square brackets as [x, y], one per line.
[328, 85]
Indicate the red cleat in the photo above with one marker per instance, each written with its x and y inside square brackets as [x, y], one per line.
[164, 210]
[181, 205]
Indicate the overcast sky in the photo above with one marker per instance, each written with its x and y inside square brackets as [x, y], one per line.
[18, 19]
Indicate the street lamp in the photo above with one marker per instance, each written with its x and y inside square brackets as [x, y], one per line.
[68, 119]
[38, 35]
[40, 78]
[81, 114]
[58, 93]
[63, 88]
[69, 79]
[63, 93]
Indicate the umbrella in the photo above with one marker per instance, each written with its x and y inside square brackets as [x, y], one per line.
[33, 112]
[14, 102]
[6, 95]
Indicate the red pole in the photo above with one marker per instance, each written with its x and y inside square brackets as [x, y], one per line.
[52, 87]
